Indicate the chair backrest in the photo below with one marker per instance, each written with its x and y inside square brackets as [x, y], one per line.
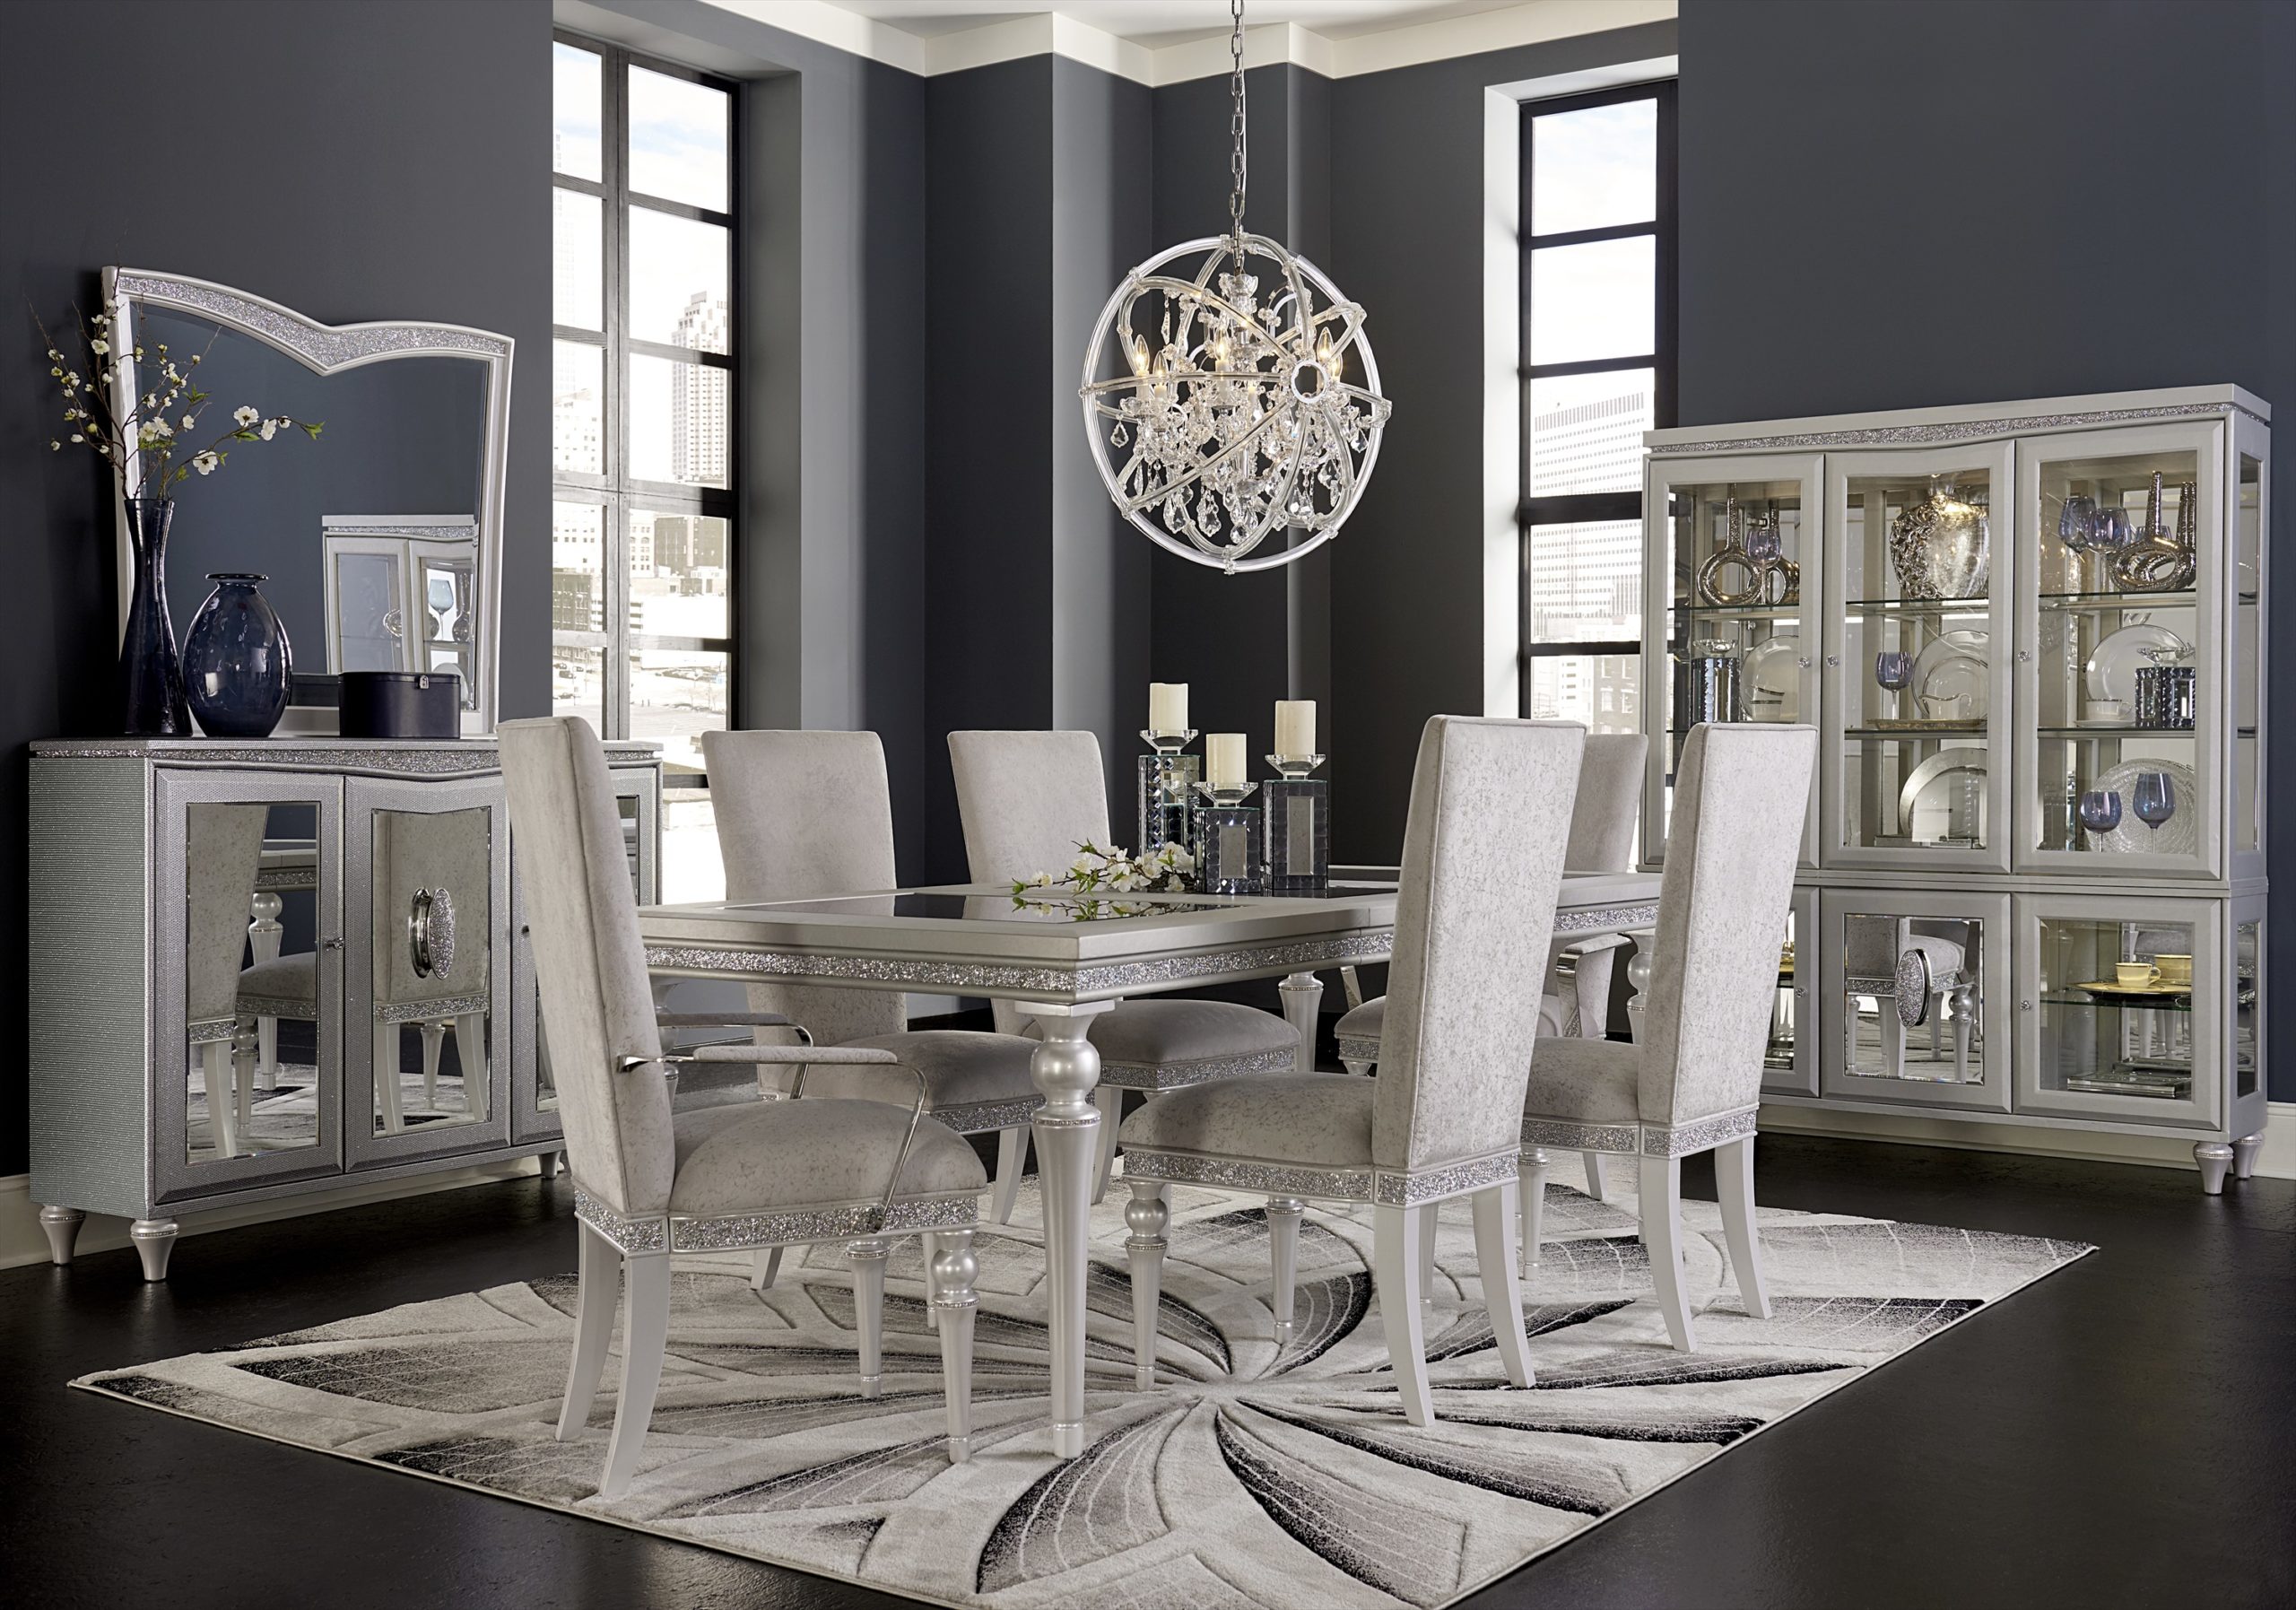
[1740, 794]
[222, 847]
[589, 961]
[1027, 799]
[802, 815]
[1482, 865]
[1609, 804]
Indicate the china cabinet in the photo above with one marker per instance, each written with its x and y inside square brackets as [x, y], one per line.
[261, 969]
[2032, 636]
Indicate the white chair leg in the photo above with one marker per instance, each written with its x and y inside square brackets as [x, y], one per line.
[1283, 1260]
[1427, 1255]
[765, 1267]
[928, 1246]
[1530, 1186]
[1961, 1026]
[434, 1041]
[1110, 1100]
[1011, 1152]
[1733, 1187]
[243, 1083]
[951, 1276]
[1892, 1038]
[1145, 1218]
[216, 1075]
[597, 1285]
[266, 1053]
[387, 1094]
[1937, 1027]
[1597, 1186]
[470, 1050]
[645, 1332]
[1394, 1263]
[1662, 1233]
[868, 1260]
[1502, 1292]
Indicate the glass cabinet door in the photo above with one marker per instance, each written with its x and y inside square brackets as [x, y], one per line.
[252, 1021]
[1922, 548]
[1789, 1062]
[1734, 576]
[2121, 1007]
[1913, 989]
[2251, 513]
[2122, 703]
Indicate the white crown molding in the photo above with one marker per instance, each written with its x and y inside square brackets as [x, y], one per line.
[1043, 33]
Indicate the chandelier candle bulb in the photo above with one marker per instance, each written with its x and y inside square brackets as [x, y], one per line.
[1295, 728]
[1167, 707]
[1223, 759]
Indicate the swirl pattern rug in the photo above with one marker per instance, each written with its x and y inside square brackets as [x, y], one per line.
[1251, 1477]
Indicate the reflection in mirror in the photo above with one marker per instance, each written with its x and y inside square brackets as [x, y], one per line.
[433, 874]
[2117, 1008]
[251, 876]
[1914, 1007]
[400, 594]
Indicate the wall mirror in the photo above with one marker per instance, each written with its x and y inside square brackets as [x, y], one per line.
[382, 538]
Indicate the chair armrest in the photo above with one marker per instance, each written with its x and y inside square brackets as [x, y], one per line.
[1596, 942]
[823, 1054]
[723, 1020]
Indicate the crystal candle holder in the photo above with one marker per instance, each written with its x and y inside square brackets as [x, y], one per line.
[1167, 793]
[1295, 818]
[1227, 840]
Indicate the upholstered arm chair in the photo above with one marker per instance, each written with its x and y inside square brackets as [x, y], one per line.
[1027, 799]
[1482, 864]
[1693, 1081]
[648, 1182]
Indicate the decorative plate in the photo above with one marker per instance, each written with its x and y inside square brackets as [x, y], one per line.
[1771, 678]
[2179, 835]
[2111, 671]
[1951, 671]
[1931, 777]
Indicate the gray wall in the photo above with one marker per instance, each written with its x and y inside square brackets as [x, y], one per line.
[1962, 226]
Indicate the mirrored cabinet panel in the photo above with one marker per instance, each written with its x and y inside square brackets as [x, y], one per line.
[1915, 987]
[1790, 1055]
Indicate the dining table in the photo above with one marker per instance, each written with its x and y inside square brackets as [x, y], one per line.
[1063, 958]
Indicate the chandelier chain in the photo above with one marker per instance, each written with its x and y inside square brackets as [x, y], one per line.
[1235, 158]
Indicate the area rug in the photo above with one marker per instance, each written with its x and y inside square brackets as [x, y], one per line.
[1252, 1477]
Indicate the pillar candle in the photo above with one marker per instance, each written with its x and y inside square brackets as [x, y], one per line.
[1295, 728]
[1223, 759]
[1168, 706]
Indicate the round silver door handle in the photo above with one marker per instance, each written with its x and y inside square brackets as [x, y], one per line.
[431, 932]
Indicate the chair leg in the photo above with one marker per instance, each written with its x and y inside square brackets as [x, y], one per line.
[1597, 1186]
[243, 1046]
[1395, 1260]
[217, 1074]
[598, 1284]
[266, 1053]
[765, 1267]
[1145, 1219]
[1427, 1255]
[470, 1050]
[434, 1041]
[1892, 1039]
[1502, 1292]
[1662, 1233]
[1962, 1006]
[1011, 1152]
[645, 1332]
[386, 1095]
[868, 1260]
[1530, 1184]
[1283, 1260]
[951, 1276]
[1110, 1099]
[1733, 1185]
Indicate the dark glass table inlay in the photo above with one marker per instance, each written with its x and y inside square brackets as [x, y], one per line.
[989, 908]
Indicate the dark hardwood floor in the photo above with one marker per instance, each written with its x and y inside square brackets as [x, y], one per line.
[2123, 1433]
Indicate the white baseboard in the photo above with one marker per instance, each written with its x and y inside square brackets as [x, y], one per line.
[24, 1242]
[2276, 1160]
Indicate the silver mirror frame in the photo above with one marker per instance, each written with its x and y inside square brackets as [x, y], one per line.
[326, 349]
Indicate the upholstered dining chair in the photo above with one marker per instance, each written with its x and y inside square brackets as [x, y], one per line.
[1692, 1082]
[222, 844]
[805, 814]
[647, 1182]
[1027, 799]
[1576, 994]
[1481, 863]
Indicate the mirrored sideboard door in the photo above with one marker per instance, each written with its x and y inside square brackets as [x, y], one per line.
[426, 1046]
[248, 973]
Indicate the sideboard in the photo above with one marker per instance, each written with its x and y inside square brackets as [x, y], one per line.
[261, 969]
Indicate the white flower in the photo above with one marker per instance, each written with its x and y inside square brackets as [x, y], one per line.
[205, 463]
[77, 436]
[1177, 859]
[72, 377]
[244, 417]
[58, 357]
[53, 446]
[99, 346]
[1125, 881]
[270, 429]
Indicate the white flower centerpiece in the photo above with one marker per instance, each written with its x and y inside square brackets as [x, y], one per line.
[1099, 872]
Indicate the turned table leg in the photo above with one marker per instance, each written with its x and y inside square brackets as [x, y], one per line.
[1066, 1067]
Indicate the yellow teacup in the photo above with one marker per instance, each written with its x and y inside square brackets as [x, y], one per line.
[2174, 970]
[2134, 975]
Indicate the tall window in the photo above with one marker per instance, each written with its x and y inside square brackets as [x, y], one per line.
[642, 398]
[1599, 369]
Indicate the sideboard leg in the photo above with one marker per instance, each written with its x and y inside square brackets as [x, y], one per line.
[551, 1162]
[2215, 1159]
[2244, 1156]
[154, 1239]
[63, 1227]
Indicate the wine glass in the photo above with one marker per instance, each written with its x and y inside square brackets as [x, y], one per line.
[2156, 797]
[2100, 811]
[2076, 524]
[2111, 530]
[1893, 669]
[1763, 544]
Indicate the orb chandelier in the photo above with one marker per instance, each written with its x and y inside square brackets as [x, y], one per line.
[1218, 391]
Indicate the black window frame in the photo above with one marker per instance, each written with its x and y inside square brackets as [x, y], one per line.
[1662, 360]
[615, 490]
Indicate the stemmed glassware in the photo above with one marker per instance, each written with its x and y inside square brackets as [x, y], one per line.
[1893, 669]
[2101, 812]
[2155, 799]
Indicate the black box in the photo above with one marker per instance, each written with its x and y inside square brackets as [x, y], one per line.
[400, 704]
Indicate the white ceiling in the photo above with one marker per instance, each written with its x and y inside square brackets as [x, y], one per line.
[1159, 22]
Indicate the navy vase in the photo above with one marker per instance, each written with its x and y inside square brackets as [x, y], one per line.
[237, 664]
[151, 676]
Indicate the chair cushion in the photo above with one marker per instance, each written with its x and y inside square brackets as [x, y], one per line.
[1576, 1081]
[776, 1156]
[1365, 1022]
[1315, 1120]
[962, 1067]
[283, 978]
[1156, 1033]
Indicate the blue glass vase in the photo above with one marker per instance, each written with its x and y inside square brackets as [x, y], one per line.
[151, 676]
[237, 664]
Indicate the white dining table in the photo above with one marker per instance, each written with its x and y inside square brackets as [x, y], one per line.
[1064, 961]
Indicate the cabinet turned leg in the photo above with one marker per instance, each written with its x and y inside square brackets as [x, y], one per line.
[154, 1239]
[63, 1227]
[2244, 1156]
[2216, 1159]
